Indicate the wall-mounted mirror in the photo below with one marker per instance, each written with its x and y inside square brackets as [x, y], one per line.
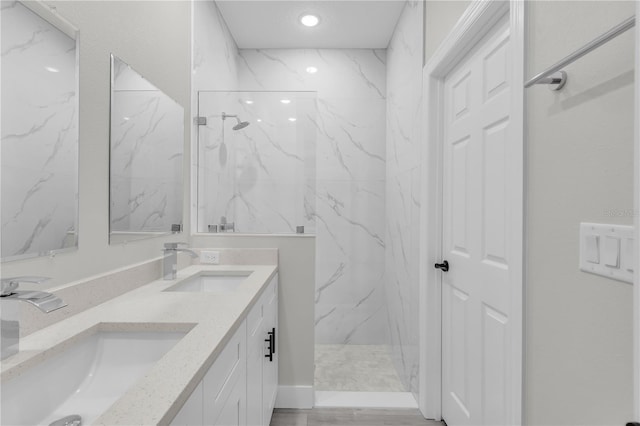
[147, 141]
[39, 174]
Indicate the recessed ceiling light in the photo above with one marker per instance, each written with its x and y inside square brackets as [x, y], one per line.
[248, 102]
[259, 120]
[285, 101]
[309, 20]
[312, 70]
[126, 118]
[52, 69]
[292, 119]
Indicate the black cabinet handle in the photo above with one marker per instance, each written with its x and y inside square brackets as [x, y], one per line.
[270, 348]
[272, 336]
[444, 266]
[272, 344]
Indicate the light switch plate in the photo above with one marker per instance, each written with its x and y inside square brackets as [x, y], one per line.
[613, 244]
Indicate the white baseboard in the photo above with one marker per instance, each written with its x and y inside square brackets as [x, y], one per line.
[301, 397]
[365, 399]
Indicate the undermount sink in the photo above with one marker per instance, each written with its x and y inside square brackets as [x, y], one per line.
[211, 282]
[84, 379]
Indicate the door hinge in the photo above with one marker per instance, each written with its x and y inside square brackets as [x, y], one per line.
[201, 121]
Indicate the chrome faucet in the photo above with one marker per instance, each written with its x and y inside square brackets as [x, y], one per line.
[44, 301]
[170, 260]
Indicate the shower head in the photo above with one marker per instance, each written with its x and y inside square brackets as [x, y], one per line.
[240, 125]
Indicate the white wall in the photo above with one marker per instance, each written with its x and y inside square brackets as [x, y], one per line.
[439, 18]
[154, 38]
[579, 163]
[296, 273]
[580, 167]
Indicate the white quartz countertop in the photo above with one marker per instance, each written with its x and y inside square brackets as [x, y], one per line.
[158, 396]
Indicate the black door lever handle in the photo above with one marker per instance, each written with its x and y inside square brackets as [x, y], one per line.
[444, 266]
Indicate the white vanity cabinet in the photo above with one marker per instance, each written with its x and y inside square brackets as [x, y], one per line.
[262, 361]
[270, 366]
[239, 389]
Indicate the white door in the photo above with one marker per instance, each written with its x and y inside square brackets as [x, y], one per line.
[476, 225]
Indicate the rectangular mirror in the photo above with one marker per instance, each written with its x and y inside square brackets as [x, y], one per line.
[39, 188]
[147, 141]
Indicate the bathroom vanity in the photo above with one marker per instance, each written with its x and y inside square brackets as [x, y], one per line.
[199, 350]
[240, 387]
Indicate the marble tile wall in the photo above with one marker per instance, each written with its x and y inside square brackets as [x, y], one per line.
[267, 179]
[404, 89]
[214, 69]
[39, 135]
[350, 162]
[367, 175]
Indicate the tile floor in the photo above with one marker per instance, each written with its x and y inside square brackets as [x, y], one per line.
[350, 417]
[355, 368]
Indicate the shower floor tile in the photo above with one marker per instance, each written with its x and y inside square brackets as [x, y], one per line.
[355, 368]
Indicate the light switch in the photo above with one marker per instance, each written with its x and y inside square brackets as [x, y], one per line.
[628, 254]
[611, 252]
[592, 248]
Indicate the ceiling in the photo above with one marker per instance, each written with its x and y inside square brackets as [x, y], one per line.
[266, 24]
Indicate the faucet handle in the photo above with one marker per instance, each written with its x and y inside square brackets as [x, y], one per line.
[8, 285]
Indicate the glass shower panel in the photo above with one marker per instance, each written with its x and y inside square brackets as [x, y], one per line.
[256, 162]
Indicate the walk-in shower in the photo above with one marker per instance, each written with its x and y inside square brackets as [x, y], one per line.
[257, 173]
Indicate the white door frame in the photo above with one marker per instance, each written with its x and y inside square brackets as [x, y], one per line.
[636, 279]
[477, 21]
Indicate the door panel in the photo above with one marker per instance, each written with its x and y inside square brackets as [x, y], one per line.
[494, 380]
[475, 291]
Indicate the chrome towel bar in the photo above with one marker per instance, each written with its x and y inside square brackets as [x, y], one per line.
[557, 78]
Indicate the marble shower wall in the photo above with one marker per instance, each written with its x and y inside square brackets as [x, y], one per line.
[404, 117]
[214, 69]
[39, 135]
[350, 179]
[261, 177]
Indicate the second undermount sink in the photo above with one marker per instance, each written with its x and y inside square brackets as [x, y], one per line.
[211, 282]
[84, 379]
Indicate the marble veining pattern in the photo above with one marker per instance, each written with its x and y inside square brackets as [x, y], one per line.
[39, 135]
[214, 68]
[365, 200]
[336, 176]
[404, 83]
[146, 155]
[261, 175]
[350, 166]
